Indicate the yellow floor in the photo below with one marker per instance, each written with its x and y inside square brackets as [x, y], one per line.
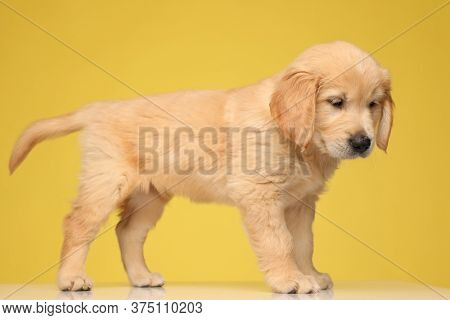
[344, 290]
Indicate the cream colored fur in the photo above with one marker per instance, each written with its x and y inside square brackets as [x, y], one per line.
[277, 208]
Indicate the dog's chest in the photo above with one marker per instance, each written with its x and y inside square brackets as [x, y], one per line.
[297, 188]
[311, 181]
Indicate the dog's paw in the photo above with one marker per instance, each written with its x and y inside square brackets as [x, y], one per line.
[299, 284]
[307, 284]
[324, 280]
[74, 282]
[149, 279]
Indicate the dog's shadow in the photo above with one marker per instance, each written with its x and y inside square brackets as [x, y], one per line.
[147, 293]
[159, 293]
[321, 295]
[75, 295]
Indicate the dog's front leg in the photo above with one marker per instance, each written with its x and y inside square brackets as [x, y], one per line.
[299, 219]
[273, 246]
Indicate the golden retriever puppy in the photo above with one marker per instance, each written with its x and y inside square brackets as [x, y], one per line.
[267, 148]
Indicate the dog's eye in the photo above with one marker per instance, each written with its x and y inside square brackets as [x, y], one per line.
[336, 102]
[373, 104]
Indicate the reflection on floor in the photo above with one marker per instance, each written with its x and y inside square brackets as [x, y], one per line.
[239, 291]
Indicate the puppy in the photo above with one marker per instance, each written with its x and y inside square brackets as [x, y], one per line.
[267, 148]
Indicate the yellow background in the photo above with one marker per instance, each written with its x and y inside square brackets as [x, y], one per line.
[397, 203]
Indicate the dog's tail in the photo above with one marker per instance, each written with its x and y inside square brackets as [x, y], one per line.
[44, 129]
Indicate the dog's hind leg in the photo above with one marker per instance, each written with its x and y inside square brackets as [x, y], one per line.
[104, 186]
[140, 214]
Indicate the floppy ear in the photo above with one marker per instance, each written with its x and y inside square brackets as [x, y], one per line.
[385, 124]
[293, 106]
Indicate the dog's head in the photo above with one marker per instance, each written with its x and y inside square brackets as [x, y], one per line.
[336, 97]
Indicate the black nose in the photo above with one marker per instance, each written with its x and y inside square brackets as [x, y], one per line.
[359, 143]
